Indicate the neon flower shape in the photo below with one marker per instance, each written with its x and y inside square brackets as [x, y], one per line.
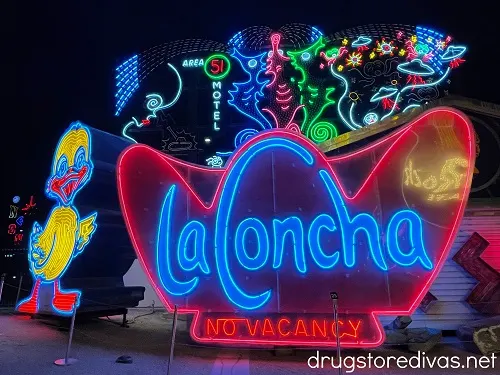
[385, 48]
[440, 44]
[64, 236]
[354, 59]
[279, 206]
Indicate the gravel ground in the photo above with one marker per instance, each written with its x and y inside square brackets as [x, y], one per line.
[30, 346]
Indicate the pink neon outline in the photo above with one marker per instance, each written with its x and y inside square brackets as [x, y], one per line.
[276, 120]
[398, 134]
[345, 344]
[275, 41]
[284, 100]
[283, 93]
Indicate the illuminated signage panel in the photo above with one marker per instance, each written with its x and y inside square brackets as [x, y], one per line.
[65, 234]
[254, 249]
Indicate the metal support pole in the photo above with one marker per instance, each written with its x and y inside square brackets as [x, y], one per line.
[335, 297]
[124, 320]
[19, 290]
[2, 280]
[66, 361]
[172, 343]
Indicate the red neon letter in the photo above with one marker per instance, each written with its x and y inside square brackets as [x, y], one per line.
[252, 332]
[279, 327]
[224, 327]
[341, 323]
[315, 326]
[210, 325]
[354, 328]
[268, 327]
[303, 331]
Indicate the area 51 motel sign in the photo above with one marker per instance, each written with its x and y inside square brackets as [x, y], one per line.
[254, 249]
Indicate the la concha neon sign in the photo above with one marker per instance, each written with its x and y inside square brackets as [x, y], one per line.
[254, 249]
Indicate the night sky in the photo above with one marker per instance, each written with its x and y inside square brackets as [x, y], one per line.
[64, 55]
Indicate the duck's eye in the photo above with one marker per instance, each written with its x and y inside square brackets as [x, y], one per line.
[252, 63]
[80, 158]
[306, 56]
[62, 166]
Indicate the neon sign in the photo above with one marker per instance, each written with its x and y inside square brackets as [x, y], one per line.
[154, 103]
[283, 327]
[217, 67]
[13, 212]
[444, 187]
[65, 235]
[215, 161]
[192, 63]
[216, 96]
[271, 247]
[243, 244]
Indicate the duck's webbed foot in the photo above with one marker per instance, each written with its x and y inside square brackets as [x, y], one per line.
[30, 304]
[65, 300]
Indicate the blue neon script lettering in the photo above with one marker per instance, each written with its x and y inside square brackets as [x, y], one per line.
[257, 243]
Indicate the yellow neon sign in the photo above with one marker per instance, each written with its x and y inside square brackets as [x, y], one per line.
[442, 186]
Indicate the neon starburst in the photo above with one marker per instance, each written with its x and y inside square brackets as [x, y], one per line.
[354, 59]
[440, 44]
[385, 48]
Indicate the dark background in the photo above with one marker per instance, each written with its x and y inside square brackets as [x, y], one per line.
[63, 56]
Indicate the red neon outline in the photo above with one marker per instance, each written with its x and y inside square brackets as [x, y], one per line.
[396, 136]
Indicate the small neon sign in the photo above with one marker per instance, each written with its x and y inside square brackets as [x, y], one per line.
[65, 234]
[217, 67]
[192, 63]
[216, 96]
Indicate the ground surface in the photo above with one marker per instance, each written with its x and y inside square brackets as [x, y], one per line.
[29, 346]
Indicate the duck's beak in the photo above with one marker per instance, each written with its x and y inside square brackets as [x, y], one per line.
[65, 187]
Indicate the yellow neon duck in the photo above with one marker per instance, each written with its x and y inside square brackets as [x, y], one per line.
[65, 235]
